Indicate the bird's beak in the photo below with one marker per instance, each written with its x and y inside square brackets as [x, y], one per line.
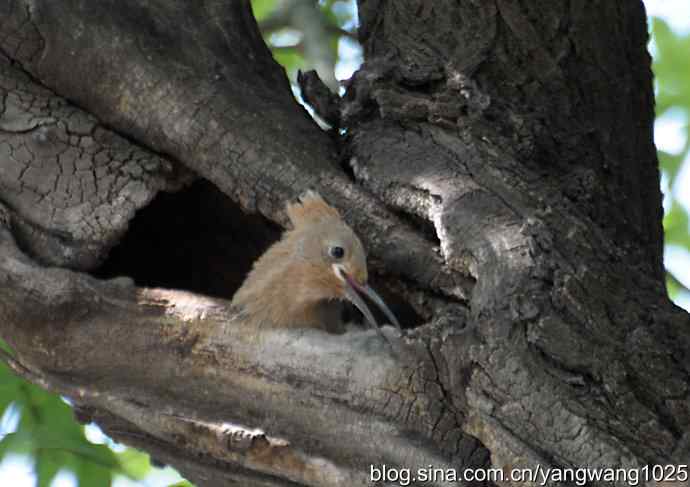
[352, 290]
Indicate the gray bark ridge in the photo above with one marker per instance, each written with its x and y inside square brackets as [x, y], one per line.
[551, 199]
[501, 179]
[219, 391]
[72, 184]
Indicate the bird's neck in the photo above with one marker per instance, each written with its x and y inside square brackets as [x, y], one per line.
[281, 298]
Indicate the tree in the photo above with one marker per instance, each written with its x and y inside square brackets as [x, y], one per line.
[497, 161]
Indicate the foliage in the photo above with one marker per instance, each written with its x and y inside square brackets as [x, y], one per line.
[305, 42]
[672, 72]
[48, 433]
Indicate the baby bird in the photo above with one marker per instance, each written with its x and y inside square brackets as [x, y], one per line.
[320, 260]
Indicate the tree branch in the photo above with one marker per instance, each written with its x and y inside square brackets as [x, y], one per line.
[225, 375]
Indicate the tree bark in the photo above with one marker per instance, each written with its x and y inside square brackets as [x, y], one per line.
[495, 157]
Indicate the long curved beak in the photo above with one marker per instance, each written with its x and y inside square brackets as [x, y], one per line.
[352, 290]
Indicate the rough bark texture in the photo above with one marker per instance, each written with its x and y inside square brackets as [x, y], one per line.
[497, 161]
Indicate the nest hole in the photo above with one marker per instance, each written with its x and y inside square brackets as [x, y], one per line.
[195, 239]
[199, 240]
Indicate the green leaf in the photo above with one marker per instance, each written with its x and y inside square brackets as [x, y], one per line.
[673, 286]
[262, 8]
[93, 475]
[74, 449]
[9, 389]
[670, 164]
[18, 442]
[184, 483]
[46, 466]
[5, 347]
[676, 230]
[135, 464]
[289, 58]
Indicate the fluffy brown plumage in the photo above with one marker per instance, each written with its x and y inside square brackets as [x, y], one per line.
[319, 260]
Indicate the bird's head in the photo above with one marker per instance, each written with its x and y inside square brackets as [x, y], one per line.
[319, 259]
[334, 263]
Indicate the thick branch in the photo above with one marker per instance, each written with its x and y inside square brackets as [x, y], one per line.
[214, 378]
[72, 184]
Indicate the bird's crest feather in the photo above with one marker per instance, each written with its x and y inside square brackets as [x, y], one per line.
[310, 208]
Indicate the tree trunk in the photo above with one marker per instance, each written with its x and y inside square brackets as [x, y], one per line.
[495, 157]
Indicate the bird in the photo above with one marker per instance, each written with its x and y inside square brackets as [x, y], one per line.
[320, 260]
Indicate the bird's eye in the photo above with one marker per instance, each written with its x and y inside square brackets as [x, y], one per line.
[337, 252]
